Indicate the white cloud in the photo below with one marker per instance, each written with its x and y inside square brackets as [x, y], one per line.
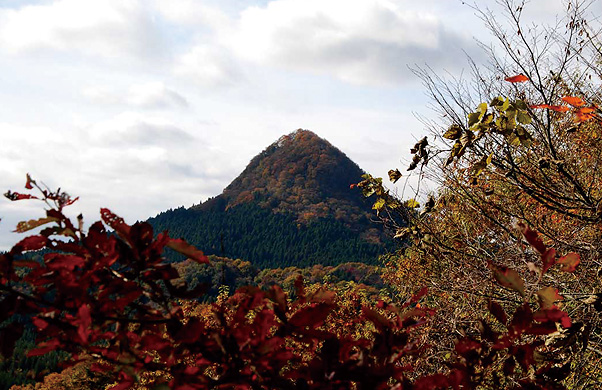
[362, 42]
[209, 66]
[152, 95]
[132, 130]
[191, 13]
[106, 28]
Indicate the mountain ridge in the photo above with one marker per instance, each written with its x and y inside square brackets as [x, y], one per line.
[291, 205]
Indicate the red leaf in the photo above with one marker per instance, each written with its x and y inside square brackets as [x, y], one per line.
[517, 79]
[155, 342]
[44, 347]
[100, 367]
[466, 345]
[311, 316]
[376, 318]
[416, 297]
[532, 238]
[26, 263]
[190, 332]
[31, 243]
[548, 258]
[524, 356]
[569, 262]
[115, 222]
[436, 381]
[17, 196]
[574, 101]
[85, 320]
[498, 312]
[554, 315]
[121, 302]
[28, 182]
[522, 319]
[71, 201]
[40, 323]
[185, 248]
[278, 296]
[508, 278]
[56, 261]
[585, 113]
[124, 382]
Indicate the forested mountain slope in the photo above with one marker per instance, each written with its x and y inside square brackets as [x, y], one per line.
[291, 206]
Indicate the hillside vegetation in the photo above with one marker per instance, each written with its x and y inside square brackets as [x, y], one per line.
[291, 206]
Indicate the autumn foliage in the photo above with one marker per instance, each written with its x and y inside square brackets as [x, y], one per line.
[110, 298]
[496, 282]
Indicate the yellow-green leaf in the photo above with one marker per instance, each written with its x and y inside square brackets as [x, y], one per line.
[412, 203]
[523, 117]
[454, 132]
[379, 204]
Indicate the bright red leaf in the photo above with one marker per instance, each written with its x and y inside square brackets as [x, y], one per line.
[28, 182]
[532, 238]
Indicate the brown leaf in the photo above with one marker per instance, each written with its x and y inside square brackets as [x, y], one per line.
[394, 175]
[24, 226]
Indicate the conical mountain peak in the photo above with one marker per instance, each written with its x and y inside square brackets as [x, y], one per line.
[292, 205]
[299, 135]
[300, 173]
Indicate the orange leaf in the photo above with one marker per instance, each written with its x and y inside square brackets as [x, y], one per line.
[574, 101]
[517, 79]
[584, 114]
[569, 262]
[186, 249]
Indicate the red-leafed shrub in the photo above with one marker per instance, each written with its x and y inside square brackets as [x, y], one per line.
[110, 297]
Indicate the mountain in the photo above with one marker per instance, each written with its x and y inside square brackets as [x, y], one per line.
[291, 206]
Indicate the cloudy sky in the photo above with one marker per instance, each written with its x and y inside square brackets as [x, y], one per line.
[145, 105]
